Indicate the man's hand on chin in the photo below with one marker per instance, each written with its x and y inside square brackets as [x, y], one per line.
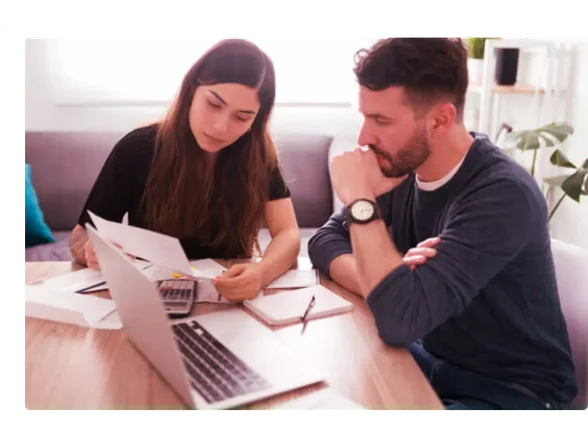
[356, 174]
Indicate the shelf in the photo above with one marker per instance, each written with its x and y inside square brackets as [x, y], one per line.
[517, 89]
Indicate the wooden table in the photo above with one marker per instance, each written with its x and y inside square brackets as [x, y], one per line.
[71, 367]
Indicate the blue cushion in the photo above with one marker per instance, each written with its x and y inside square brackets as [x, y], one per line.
[36, 230]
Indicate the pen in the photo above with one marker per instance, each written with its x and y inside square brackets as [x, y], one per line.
[309, 307]
[87, 288]
[96, 285]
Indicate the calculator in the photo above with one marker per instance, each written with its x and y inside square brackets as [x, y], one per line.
[178, 296]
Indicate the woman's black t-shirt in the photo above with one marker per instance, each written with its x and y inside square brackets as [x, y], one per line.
[121, 183]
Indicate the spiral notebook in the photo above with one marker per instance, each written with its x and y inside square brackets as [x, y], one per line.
[288, 307]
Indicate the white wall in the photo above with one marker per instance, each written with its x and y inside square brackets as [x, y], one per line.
[46, 110]
[43, 111]
[570, 222]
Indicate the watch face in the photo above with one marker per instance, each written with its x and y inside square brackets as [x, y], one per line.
[362, 210]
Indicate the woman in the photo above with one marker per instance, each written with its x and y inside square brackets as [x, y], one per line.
[207, 173]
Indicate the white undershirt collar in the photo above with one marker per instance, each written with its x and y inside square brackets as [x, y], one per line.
[434, 185]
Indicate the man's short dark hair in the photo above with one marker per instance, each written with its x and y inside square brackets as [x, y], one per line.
[429, 69]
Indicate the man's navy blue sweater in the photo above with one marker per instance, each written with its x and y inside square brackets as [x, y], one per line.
[488, 300]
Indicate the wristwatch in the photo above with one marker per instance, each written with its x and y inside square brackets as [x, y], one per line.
[361, 211]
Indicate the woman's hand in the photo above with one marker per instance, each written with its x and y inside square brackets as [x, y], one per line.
[90, 255]
[92, 259]
[242, 281]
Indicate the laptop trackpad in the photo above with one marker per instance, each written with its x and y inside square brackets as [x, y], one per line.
[256, 345]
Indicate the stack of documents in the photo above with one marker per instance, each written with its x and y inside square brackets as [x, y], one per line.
[160, 257]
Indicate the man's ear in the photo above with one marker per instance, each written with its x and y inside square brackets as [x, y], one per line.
[442, 118]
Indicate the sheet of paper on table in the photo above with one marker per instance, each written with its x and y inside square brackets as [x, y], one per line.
[325, 402]
[207, 293]
[86, 280]
[51, 303]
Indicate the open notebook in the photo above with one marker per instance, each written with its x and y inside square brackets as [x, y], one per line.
[296, 279]
[288, 307]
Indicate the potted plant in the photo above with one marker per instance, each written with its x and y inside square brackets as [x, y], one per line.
[572, 184]
[476, 59]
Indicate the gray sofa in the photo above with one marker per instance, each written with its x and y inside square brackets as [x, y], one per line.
[64, 166]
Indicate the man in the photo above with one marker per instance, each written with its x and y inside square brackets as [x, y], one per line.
[476, 301]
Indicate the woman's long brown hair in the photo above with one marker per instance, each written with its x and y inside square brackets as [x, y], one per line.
[221, 205]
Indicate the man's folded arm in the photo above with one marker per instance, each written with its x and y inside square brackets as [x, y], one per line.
[330, 251]
[483, 236]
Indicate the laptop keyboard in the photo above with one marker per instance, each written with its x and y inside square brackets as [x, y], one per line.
[215, 372]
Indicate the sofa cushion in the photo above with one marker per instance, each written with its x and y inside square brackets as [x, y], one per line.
[305, 164]
[66, 165]
[36, 230]
[305, 235]
[58, 251]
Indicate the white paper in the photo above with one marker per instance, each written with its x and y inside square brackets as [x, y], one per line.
[199, 274]
[288, 307]
[207, 293]
[207, 267]
[75, 280]
[80, 280]
[320, 400]
[111, 321]
[155, 273]
[160, 249]
[205, 270]
[51, 303]
[296, 279]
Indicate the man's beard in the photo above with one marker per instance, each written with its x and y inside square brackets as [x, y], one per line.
[409, 158]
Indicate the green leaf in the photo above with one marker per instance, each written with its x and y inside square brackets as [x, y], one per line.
[556, 181]
[529, 141]
[548, 141]
[573, 186]
[550, 134]
[559, 131]
[559, 159]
